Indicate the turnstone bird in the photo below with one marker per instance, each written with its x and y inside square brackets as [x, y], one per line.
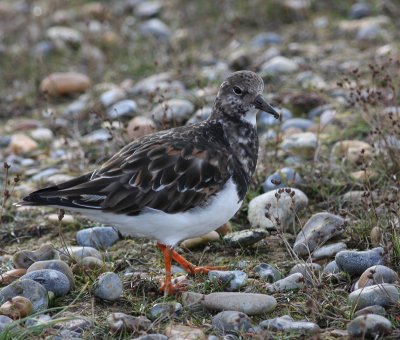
[174, 184]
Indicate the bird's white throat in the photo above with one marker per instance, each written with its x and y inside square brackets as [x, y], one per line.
[251, 116]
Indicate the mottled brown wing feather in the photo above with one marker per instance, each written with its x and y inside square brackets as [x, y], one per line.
[168, 171]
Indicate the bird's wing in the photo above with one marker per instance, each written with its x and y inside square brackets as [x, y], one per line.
[166, 171]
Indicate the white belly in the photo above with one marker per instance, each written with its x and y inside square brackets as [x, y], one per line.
[172, 228]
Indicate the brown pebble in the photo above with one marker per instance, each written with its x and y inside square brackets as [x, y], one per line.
[22, 144]
[16, 308]
[11, 275]
[60, 84]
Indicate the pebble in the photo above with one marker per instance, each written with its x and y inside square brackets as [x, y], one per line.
[200, 241]
[328, 251]
[78, 253]
[231, 322]
[331, 268]
[264, 39]
[140, 126]
[21, 144]
[292, 282]
[384, 295]
[267, 272]
[97, 237]
[36, 320]
[374, 309]
[359, 10]
[152, 337]
[112, 96]
[244, 238]
[298, 123]
[16, 308]
[300, 144]
[11, 275]
[64, 36]
[265, 120]
[123, 108]
[200, 115]
[77, 107]
[73, 323]
[61, 84]
[375, 275]
[350, 151]
[266, 209]
[58, 265]
[88, 264]
[180, 332]
[148, 9]
[67, 219]
[43, 175]
[248, 303]
[277, 66]
[175, 111]
[4, 322]
[369, 326]
[97, 136]
[25, 258]
[320, 228]
[287, 324]
[230, 280]
[157, 83]
[165, 310]
[155, 28]
[310, 271]
[42, 135]
[119, 322]
[356, 262]
[108, 286]
[285, 177]
[376, 235]
[53, 280]
[29, 289]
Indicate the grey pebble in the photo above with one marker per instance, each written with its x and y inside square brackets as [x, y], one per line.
[231, 280]
[4, 322]
[376, 274]
[97, 237]
[79, 252]
[120, 321]
[310, 271]
[356, 262]
[266, 38]
[176, 111]
[245, 238]
[278, 65]
[59, 265]
[374, 309]
[292, 282]
[369, 326]
[267, 272]
[122, 108]
[298, 123]
[53, 280]
[155, 28]
[300, 144]
[359, 10]
[331, 268]
[29, 289]
[164, 310]
[328, 250]
[74, 323]
[112, 96]
[108, 286]
[152, 337]
[25, 258]
[286, 323]
[383, 295]
[38, 320]
[282, 178]
[148, 9]
[231, 322]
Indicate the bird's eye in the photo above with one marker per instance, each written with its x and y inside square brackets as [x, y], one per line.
[237, 90]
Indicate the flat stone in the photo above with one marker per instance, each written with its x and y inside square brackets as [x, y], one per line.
[180, 332]
[310, 271]
[122, 108]
[11, 276]
[285, 177]
[21, 144]
[356, 262]
[374, 309]
[375, 275]
[318, 229]
[63, 36]
[369, 326]
[267, 272]
[74, 323]
[231, 280]
[287, 324]
[112, 96]
[119, 322]
[42, 135]
[298, 123]
[97, 237]
[244, 238]
[278, 65]
[384, 295]
[36, 320]
[155, 28]
[301, 144]
[200, 241]
[108, 286]
[152, 337]
[165, 310]
[148, 9]
[328, 251]
[53, 280]
[176, 111]
[58, 265]
[25, 258]
[292, 282]
[331, 268]
[78, 253]
[228, 322]
[29, 289]
[61, 84]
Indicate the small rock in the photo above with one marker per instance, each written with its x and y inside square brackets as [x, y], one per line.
[245, 238]
[122, 108]
[61, 84]
[201, 115]
[301, 144]
[285, 177]
[97, 136]
[359, 10]
[42, 135]
[21, 144]
[176, 111]
[224, 229]
[16, 308]
[248, 303]
[139, 127]
[11, 275]
[36, 320]
[108, 286]
[67, 219]
[25, 258]
[148, 9]
[112, 96]
[29, 289]
[152, 337]
[350, 151]
[53, 280]
[157, 83]
[375, 275]
[292, 282]
[58, 265]
[369, 326]
[267, 272]
[383, 295]
[179, 332]
[74, 323]
[5, 321]
[266, 38]
[119, 322]
[231, 280]
[231, 322]
[265, 210]
[278, 65]
[78, 253]
[165, 310]
[331, 268]
[88, 264]
[287, 324]
[64, 36]
[328, 250]
[298, 123]
[200, 241]
[265, 120]
[43, 175]
[97, 237]
[155, 28]
[318, 229]
[376, 236]
[310, 271]
[356, 262]
[374, 309]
